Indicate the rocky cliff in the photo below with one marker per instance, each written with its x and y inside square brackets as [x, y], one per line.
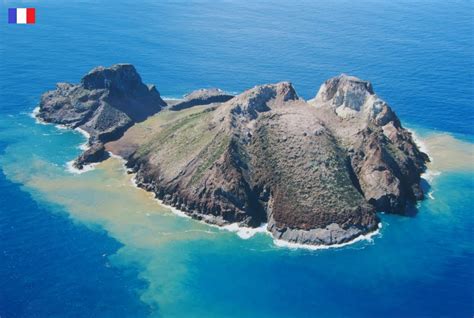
[383, 155]
[104, 104]
[315, 171]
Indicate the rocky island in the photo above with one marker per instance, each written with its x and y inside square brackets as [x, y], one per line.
[316, 172]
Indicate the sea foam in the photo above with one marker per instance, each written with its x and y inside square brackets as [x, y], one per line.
[86, 168]
[369, 237]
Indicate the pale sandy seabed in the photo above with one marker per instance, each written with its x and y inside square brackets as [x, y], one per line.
[448, 153]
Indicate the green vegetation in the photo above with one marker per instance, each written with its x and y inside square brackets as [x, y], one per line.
[181, 129]
[179, 139]
[211, 153]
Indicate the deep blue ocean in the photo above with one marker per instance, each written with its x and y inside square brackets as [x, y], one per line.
[91, 245]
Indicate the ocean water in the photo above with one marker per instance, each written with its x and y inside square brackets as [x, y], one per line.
[92, 245]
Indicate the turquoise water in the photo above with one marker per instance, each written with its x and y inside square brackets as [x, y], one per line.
[91, 245]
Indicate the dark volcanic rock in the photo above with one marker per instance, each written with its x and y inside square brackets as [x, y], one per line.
[95, 153]
[202, 97]
[105, 104]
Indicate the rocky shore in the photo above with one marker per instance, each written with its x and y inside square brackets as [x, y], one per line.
[315, 171]
[104, 104]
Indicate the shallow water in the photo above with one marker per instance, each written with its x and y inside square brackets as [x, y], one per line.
[449, 153]
[81, 245]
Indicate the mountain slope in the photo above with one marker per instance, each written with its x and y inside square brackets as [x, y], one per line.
[315, 171]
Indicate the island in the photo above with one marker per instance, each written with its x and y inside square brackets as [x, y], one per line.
[315, 172]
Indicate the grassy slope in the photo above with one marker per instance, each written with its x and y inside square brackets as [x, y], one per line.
[172, 139]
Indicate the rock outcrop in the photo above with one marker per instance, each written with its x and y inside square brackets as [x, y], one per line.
[202, 97]
[316, 172]
[383, 155]
[95, 153]
[105, 104]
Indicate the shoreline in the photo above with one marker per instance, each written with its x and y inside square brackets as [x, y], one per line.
[71, 169]
[241, 231]
[83, 147]
[429, 174]
[248, 232]
[369, 237]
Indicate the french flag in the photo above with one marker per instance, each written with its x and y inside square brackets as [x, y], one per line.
[21, 15]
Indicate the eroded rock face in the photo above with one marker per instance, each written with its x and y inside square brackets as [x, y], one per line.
[202, 97]
[383, 154]
[94, 153]
[105, 104]
[351, 97]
